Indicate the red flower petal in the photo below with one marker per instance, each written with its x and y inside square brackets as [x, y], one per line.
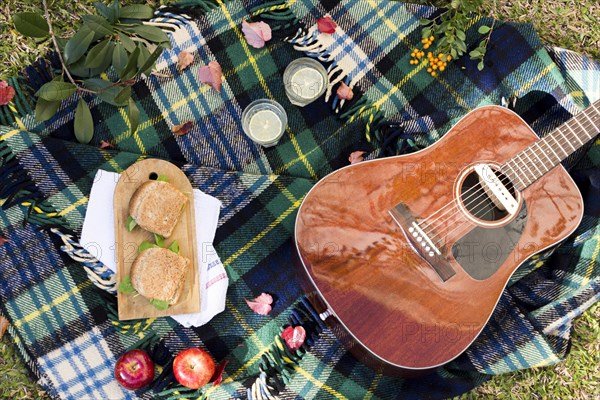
[344, 92]
[326, 25]
[294, 337]
[218, 376]
[262, 304]
[6, 93]
[3, 240]
[212, 74]
[356, 157]
[256, 33]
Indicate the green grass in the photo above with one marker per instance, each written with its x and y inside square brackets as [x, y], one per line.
[571, 24]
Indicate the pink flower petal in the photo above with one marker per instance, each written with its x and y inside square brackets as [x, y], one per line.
[256, 33]
[356, 157]
[105, 145]
[262, 304]
[259, 308]
[212, 74]
[344, 92]
[184, 59]
[6, 93]
[326, 25]
[294, 337]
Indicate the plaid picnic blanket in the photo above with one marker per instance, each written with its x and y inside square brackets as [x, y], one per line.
[57, 298]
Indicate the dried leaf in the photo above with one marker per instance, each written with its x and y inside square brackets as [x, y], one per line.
[182, 129]
[106, 145]
[3, 240]
[356, 157]
[294, 337]
[184, 59]
[262, 304]
[3, 325]
[212, 74]
[256, 33]
[344, 92]
[326, 25]
[6, 93]
[218, 376]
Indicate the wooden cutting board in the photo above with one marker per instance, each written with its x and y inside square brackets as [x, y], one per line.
[134, 306]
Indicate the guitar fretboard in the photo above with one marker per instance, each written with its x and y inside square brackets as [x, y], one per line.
[540, 157]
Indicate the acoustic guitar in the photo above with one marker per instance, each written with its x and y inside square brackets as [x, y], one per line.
[407, 256]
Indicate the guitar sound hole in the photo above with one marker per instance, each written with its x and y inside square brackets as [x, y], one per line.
[476, 200]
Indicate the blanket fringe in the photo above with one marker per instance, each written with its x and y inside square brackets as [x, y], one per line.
[98, 273]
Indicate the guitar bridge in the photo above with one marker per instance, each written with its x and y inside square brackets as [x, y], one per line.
[421, 242]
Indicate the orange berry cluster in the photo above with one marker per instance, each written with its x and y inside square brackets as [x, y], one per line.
[437, 63]
[427, 42]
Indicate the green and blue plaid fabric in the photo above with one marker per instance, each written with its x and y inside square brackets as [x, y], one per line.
[65, 324]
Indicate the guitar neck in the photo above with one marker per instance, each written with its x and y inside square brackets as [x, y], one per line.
[540, 157]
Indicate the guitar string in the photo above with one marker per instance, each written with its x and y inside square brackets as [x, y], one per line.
[585, 130]
[462, 223]
[589, 122]
[430, 228]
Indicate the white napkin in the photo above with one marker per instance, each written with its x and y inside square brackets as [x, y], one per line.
[98, 237]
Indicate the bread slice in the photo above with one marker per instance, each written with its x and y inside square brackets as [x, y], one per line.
[156, 206]
[159, 274]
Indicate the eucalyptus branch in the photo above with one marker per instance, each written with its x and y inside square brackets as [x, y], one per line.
[57, 48]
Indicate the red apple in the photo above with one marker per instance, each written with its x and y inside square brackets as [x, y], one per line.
[193, 368]
[134, 369]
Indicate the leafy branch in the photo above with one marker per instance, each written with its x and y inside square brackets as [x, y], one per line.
[115, 41]
[449, 29]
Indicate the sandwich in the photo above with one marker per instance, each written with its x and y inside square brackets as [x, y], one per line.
[158, 274]
[156, 206]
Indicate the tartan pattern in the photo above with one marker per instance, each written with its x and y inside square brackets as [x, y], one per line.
[62, 320]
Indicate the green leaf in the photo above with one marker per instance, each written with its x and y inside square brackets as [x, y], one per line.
[151, 33]
[475, 53]
[484, 29]
[424, 21]
[481, 65]
[98, 24]
[131, 68]
[84, 124]
[56, 90]
[148, 66]
[143, 56]
[44, 109]
[134, 115]
[131, 223]
[105, 91]
[97, 54]
[145, 245]
[106, 11]
[137, 11]
[127, 42]
[119, 58]
[126, 286]
[160, 241]
[78, 44]
[461, 35]
[162, 178]
[117, 7]
[31, 24]
[123, 96]
[159, 304]
[174, 247]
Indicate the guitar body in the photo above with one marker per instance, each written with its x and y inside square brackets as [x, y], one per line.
[391, 306]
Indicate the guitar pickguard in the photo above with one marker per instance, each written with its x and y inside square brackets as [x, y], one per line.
[483, 250]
